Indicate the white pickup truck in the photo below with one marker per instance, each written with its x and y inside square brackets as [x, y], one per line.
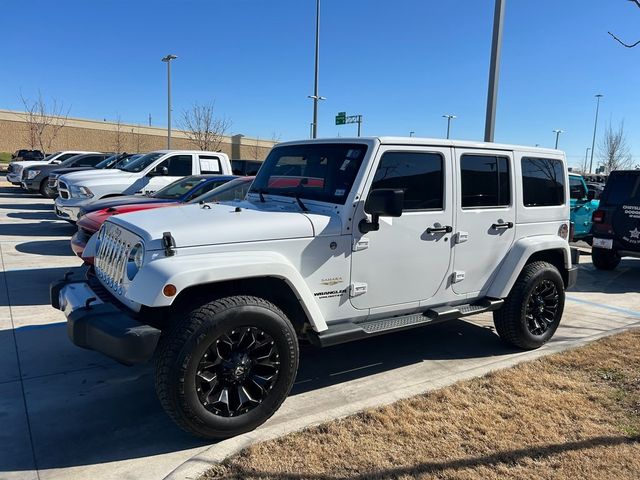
[337, 240]
[144, 175]
[14, 171]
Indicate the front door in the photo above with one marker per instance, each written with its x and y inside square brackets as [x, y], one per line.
[408, 258]
[177, 166]
[485, 215]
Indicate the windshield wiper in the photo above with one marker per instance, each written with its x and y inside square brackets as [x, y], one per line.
[302, 205]
[261, 192]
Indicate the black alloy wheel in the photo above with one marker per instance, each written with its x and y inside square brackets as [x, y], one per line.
[237, 371]
[542, 307]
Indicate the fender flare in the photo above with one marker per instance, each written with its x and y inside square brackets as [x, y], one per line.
[518, 256]
[192, 270]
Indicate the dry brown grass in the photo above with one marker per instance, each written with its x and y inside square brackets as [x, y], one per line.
[570, 416]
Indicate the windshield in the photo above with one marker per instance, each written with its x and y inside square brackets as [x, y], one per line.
[49, 157]
[69, 161]
[178, 188]
[318, 171]
[107, 162]
[141, 163]
[234, 190]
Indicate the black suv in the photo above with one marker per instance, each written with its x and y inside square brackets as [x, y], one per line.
[616, 222]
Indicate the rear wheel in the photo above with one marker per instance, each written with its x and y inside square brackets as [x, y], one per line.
[604, 259]
[227, 366]
[532, 311]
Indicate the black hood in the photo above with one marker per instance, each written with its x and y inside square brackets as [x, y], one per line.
[62, 171]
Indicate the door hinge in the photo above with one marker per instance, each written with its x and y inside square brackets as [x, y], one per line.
[461, 237]
[361, 244]
[357, 288]
[457, 276]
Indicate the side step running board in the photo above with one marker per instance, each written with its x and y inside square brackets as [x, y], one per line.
[348, 331]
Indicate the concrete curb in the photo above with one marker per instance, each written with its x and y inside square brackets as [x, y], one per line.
[209, 456]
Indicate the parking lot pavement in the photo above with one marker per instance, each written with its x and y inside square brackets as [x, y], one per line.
[71, 413]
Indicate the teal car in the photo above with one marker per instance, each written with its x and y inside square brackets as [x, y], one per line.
[583, 204]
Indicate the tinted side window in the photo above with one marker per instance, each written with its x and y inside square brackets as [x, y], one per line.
[62, 158]
[576, 188]
[420, 175]
[178, 165]
[543, 182]
[485, 181]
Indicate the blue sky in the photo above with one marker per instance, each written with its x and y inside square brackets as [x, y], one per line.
[400, 64]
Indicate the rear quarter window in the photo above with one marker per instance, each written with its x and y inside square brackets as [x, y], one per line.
[542, 182]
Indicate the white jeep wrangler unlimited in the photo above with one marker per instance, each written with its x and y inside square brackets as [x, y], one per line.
[337, 240]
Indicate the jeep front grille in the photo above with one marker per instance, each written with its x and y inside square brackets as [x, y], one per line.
[113, 253]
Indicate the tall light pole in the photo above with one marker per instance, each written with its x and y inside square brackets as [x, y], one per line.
[449, 118]
[586, 157]
[494, 71]
[595, 129]
[167, 60]
[557, 132]
[316, 96]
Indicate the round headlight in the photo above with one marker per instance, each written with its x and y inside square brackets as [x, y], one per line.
[134, 262]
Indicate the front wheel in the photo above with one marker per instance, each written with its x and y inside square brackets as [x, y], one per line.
[226, 366]
[604, 259]
[532, 311]
[45, 191]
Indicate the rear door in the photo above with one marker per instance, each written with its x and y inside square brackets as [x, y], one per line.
[486, 216]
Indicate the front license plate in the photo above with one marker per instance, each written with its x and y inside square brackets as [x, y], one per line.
[606, 243]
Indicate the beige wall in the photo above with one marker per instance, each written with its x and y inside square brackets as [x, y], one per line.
[80, 134]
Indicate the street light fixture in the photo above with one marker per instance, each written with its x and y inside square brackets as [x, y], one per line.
[449, 118]
[557, 132]
[595, 128]
[167, 60]
[411, 133]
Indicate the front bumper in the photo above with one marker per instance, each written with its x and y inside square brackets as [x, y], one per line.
[66, 212]
[30, 185]
[101, 326]
[14, 178]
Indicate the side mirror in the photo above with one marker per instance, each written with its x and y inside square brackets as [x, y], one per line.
[159, 171]
[591, 195]
[382, 202]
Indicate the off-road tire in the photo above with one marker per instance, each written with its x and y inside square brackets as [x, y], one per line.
[604, 259]
[511, 322]
[189, 337]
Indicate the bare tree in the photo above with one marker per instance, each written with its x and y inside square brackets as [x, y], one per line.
[203, 128]
[138, 140]
[614, 151]
[254, 150]
[621, 42]
[118, 138]
[44, 121]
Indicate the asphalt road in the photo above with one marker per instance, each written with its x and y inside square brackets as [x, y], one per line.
[71, 413]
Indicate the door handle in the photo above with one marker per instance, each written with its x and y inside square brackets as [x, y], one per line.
[502, 226]
[445, 229]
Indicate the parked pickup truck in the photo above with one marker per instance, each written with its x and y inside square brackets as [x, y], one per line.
[337, 240]
[14, 171]
[144, 175]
